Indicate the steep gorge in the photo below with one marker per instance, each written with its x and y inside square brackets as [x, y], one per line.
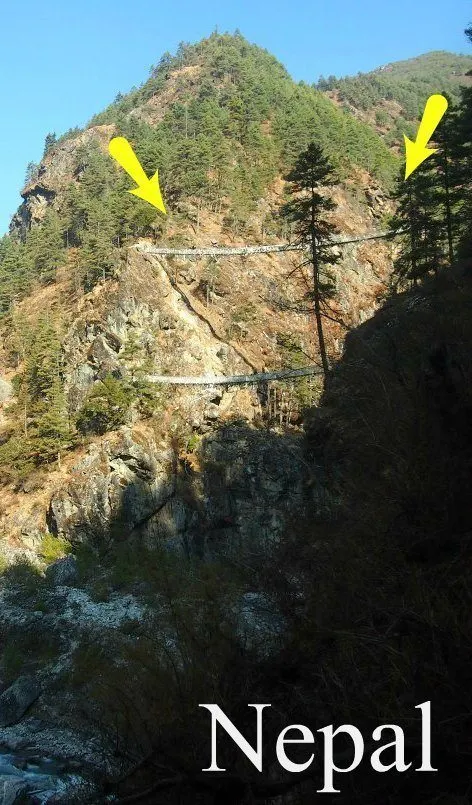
[183, 545]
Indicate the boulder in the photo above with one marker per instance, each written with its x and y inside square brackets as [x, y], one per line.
[102, 354]
[212, 412]
[63, 573]
[13, 790]
[15, 701]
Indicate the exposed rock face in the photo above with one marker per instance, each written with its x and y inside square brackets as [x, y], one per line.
[116, 488]
[247, 485]
[57, 171]
[6, 390]
[26, 524]
[15, 701]
[252, 483]
[144, 321]
[13, 789]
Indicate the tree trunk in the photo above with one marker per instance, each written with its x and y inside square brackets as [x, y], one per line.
[316, 291]
[412, 238]
[319, 328]
[447, 204]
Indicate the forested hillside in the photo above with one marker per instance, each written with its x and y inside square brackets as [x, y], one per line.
[304, 542]
[224, 122]
[222, 119]
[392, 97]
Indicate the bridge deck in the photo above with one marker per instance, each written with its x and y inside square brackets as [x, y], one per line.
[221, 251]
[234, 380]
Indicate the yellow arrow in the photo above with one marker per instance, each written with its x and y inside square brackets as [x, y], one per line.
[147, 189]
[417, 152]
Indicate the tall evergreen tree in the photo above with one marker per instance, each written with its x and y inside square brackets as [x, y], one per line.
[99, 241]
[420, 218]
[15, 271]
[45, 247]
[463, 160]
[308, 210]
[41, 392]
[50, 140]
[447, 177]
[42, 429]
[31, 174]
[435, 203]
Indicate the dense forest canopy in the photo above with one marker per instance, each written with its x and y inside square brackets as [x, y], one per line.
[234, 120]
[407, 84]
[351, 604]
[230, 121]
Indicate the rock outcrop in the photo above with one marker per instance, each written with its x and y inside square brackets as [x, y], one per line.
[6, 390]
[57, 171]
[114, 490]
[15, 701]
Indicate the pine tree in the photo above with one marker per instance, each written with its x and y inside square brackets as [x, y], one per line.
[50, 140]
[32, 171]
[106, 407]
[42, 429]
[45, 247]
[435, 203]
[99, 241]
[462, 144]
[51, 430]
[41, 364]
[420, 217]
[15, 271]
[43, 395]
[309, 211]
[447, 175]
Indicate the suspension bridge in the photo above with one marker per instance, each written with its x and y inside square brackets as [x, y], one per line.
[235, 380]
[225, 251]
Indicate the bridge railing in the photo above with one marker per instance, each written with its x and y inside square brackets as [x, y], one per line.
[234, 380]
[221, 251]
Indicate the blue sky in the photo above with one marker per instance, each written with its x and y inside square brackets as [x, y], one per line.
[61, 62]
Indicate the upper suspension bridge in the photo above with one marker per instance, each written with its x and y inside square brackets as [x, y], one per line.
[225, 251]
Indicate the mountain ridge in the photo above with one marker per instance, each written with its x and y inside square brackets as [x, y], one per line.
[164, 545]
[391, 97]
[70, 250]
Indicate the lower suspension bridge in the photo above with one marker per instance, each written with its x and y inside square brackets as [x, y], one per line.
[227, 251]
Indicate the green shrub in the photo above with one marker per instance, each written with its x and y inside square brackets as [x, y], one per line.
[53, 547]
[381, 117]
[148, 396]
[28, 651]
[23, 577]
[245, 313]
[193, 442]
[307, 389]
[3, 562]
[106, 407]
[16, 458]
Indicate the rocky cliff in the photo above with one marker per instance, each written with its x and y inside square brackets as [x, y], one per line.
[195, 484]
